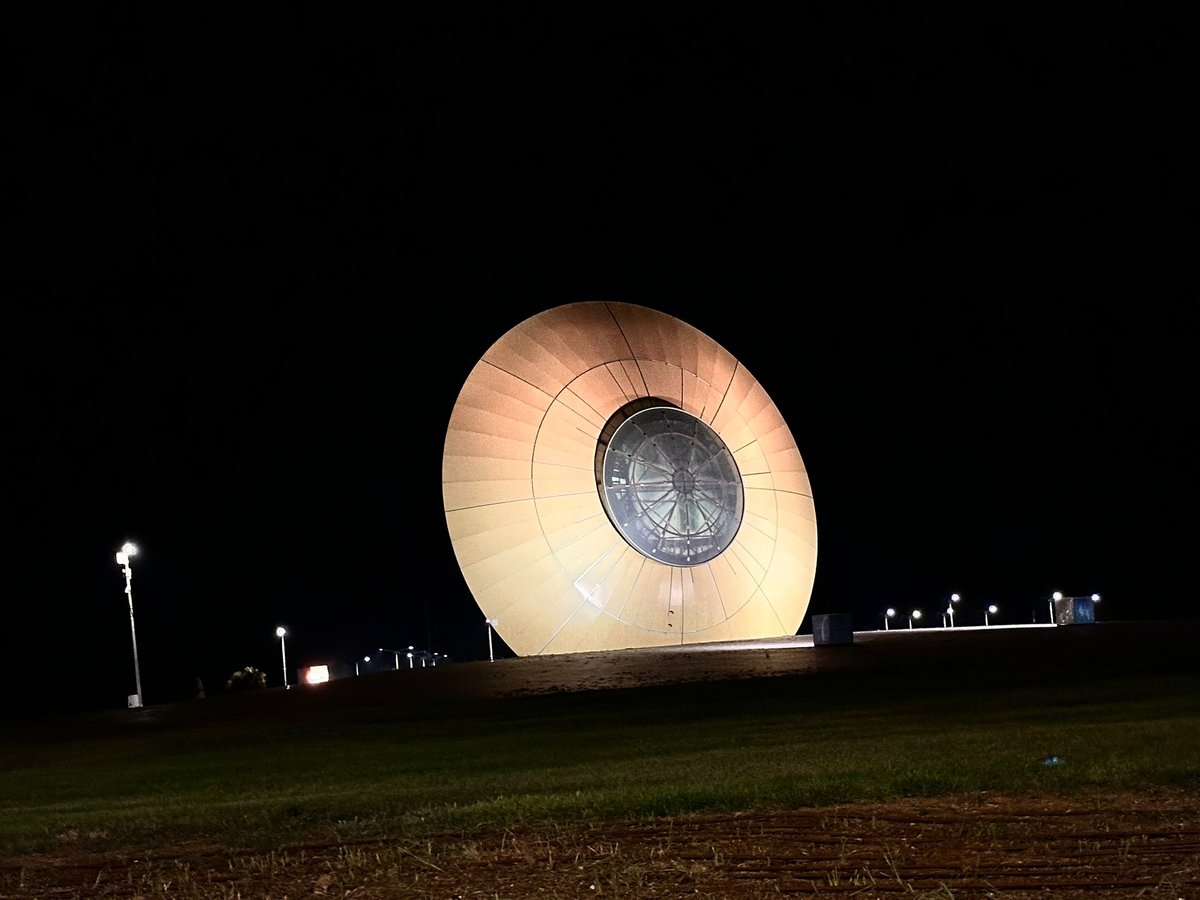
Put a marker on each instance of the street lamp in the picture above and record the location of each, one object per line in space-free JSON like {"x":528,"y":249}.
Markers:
{"x":491,"y":623}
{"x":887,"y":617}
{"x":992,"y":610}
{"x":410,"y":656}
{"x":123,"y":555}
{"x":915,"y":614}
{"x":954,"y":598}
{"x":395,"y":655}
{"x":1057,"y":595}
{"x":281,"y":633}
{"x":365,"y":659}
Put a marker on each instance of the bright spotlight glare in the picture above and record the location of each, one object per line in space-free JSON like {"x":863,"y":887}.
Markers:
{"x":129,"y":549}
{"x":280,"y":631}
{"x":316,"y":674}
{"x":1058,"y":595}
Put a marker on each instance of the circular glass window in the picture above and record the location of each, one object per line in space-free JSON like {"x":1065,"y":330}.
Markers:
{"x":671,"y":486}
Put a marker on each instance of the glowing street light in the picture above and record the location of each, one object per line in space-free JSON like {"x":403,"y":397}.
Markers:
{"x":395,"y":655}
{"x":365,"y":659}
{"x":410,"y":656}
{"x":491,"y":623}
{"x":915,"y":614}
{"x":1057,"y":595}
{"x":123,"y":556}
{"x":887,"y":617}
{"x":954,"y":598}
{"x":281,"y":633}
{"x":990,"y":610}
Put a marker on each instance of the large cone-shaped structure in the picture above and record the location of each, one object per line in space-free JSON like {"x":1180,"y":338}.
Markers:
{"x":614,"y":478}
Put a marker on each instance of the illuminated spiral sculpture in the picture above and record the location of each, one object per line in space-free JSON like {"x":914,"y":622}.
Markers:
{"x":614,"y":478}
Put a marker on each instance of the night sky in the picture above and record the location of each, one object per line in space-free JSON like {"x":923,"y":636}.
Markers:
{"x":260,"y":250}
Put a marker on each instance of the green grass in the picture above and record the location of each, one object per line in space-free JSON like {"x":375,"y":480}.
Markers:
{"x":106,"y":781}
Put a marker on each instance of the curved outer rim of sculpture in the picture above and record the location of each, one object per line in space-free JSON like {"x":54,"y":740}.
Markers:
{"x":545,"y":564}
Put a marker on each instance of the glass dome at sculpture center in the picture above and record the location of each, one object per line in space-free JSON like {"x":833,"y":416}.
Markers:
{"x":671,"y":487}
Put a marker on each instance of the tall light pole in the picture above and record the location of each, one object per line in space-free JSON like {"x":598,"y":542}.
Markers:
{"x":123,"y":555}
{"x":490,"y":625}
{"x":395,"y":655}
{"x":1057,"y":595}
{"x":365,"y":659}
{"x":954,"y":598}
{"x":992,"y":610}
{"x":887,"y":618}
{"x":281,"y":633}
{"x":915,"y":614}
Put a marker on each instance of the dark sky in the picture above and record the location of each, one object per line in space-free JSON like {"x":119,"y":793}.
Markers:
{"x":260,"y":250}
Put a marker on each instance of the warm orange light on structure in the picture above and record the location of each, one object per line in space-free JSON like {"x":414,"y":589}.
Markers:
{"x":315,"y":675}
{"x":526,"y":469}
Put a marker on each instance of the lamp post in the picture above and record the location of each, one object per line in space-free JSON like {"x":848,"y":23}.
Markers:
{"x":410,"y":656}
{"x":365,"y":659}
{"x":1057,"y":595}
{"x":490,"y":625}
{"x":887,"y":617}
{"x":915,"y":614}
{"x":395,"y":655}
{"x":954,"y":598}
{"x":992,"y":610}
{"x":281,"y":633}
{"x":123,"y":555}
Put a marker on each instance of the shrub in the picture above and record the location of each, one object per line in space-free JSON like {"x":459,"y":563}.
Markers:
{"x":247,"y":679}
